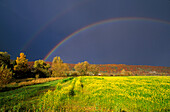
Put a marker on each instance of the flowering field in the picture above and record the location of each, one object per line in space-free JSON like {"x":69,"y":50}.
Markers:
{"x":140,"y":93}
{"x":92,"y":93}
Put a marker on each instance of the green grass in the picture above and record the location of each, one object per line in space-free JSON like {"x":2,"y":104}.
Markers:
{"x":18,"y":83}
{"x":92,"y":93}
{"x":24,"y":98}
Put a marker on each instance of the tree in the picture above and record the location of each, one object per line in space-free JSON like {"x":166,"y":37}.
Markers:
{"x":5,"y":75}
{"x":21,"y":68}
{"x":4,"y":59}
{"x":123,"y":72}
{"x":41,"y":68}
{"x":82,"y":67}
{"x":58,"y":67}
{"x":41,"y":64}
{"x":94,"y":69}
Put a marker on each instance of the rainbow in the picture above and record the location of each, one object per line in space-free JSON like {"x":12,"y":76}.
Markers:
{"x":103,"y":22}
{"x":45,"y":25}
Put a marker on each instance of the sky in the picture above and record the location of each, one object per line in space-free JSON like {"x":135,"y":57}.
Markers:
{"x":138,"y":33}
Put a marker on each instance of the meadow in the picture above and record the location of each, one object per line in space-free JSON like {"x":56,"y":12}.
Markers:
{"x":25,"y":97}
{"x":92,"y":93}
{"x":18,"y":83}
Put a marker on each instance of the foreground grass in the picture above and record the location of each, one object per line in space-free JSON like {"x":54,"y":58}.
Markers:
{"x":15,"y":84}
{"x":92,"y":93}
{"x":24,"y":98}
{"x":109,"y":94}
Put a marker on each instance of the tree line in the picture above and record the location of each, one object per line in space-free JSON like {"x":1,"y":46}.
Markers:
{"x":19,"y":68}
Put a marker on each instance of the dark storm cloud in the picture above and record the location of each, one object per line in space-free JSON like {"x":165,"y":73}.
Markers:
{"x":20,"y":20}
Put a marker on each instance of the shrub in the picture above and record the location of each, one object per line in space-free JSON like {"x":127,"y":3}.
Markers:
{"x":43,"y":73}
{"x":5,"y":75}
{"x":74,"y":73}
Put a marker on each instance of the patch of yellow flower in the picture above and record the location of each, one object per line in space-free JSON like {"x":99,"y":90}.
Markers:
{"x":130,"y":93}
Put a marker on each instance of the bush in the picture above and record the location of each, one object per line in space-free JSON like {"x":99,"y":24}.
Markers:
{"x":4,"y":59}
{"x":74,"y":73}
{"x":43,"y":73}
{"x":21,"y":74}
{"x":5,"y":75}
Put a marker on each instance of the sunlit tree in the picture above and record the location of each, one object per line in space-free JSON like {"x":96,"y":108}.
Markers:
{"x":94,"y":69}
{"x":59,"y":68}
{"x":41,"y":68}
{"x":21,"y":67}
{"x":123,"y":72}
{"x":41,"y":64}
{"x":82,"y":67}
{"x":5,"y":75}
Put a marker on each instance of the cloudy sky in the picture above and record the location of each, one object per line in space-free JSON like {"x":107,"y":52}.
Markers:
{"x":139,"y":33}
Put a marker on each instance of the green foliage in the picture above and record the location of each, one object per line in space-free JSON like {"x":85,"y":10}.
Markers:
{"x":41,"y":64}
{"x":41,"y":68}
{"x":59,"y":68}
{"x":5,"y":75}
{"x":82,"y":68}
{"x":4,"y":59}
{"x":21,"y":68}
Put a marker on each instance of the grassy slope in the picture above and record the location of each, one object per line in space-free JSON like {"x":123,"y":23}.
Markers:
{"x":109,"y":94}
{"x":93,"y":94}
{"x":24,"y":97}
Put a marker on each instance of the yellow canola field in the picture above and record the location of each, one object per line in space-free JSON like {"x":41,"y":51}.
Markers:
{"x":92,"y":93}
